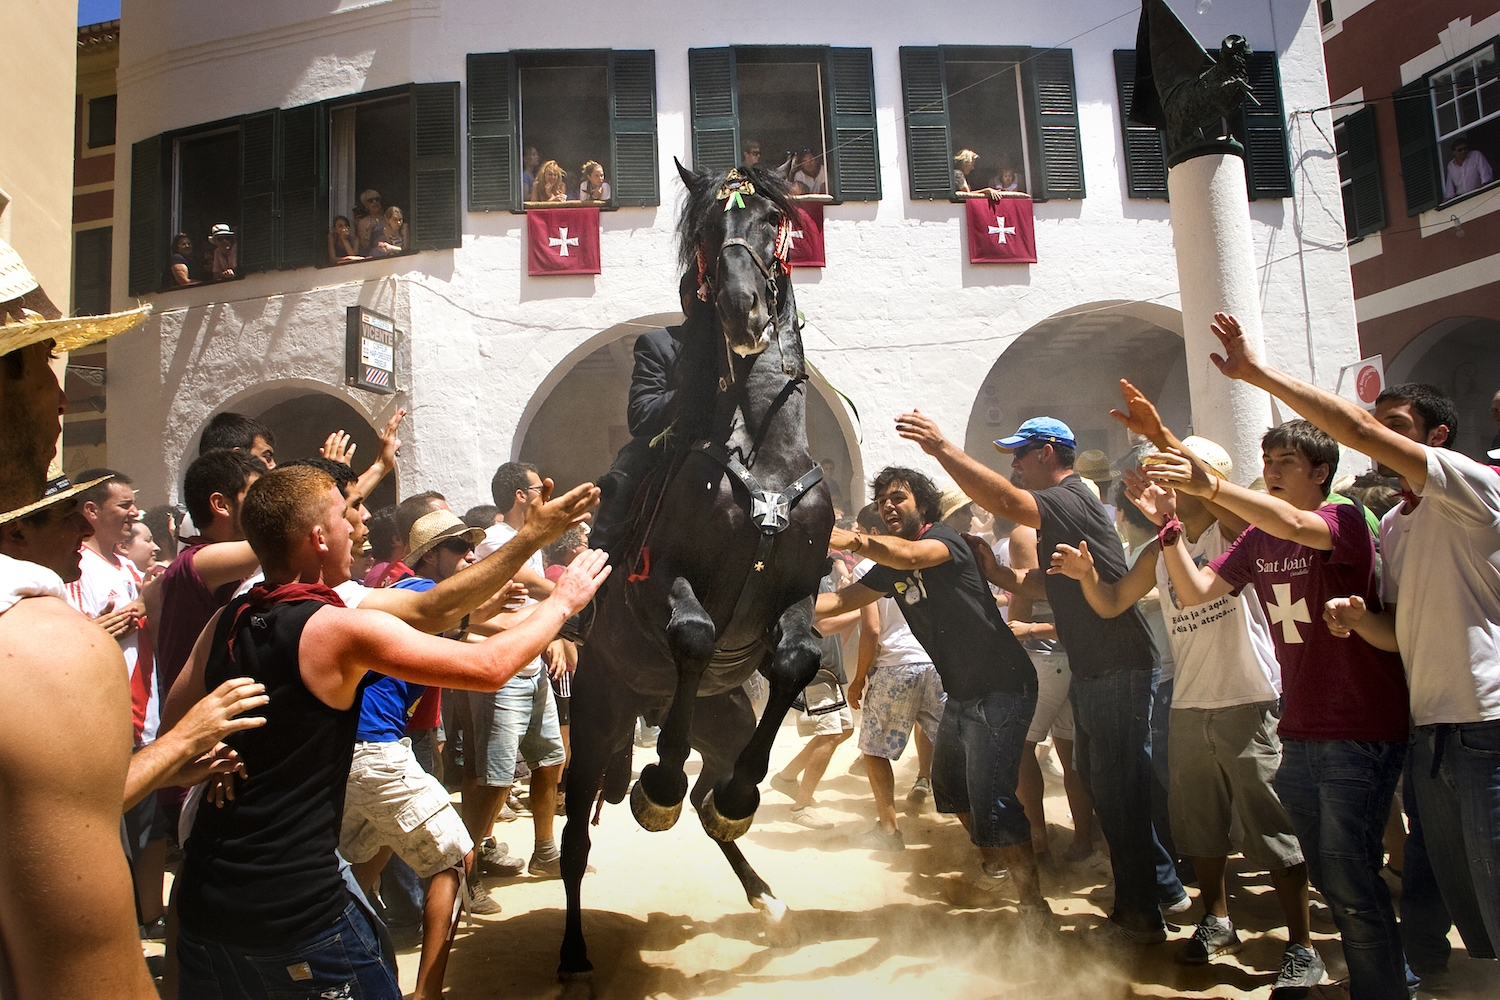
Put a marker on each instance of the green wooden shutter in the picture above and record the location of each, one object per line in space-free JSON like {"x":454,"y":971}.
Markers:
{"x":1364,"y":198}
{"x":91,"y":271}
{"x":854,"y":155}
{"x":716,"y":117}
{"x":436,"y":215}
{"x":1417,"y":139}
{"x":148,"y":220}
{"x":494,"y":160}
{"x":1052,"y":125}
{"x":929,"y":150}
{"x":257,"y":235}
{"x":301,"y":187}
{"x":1262,"y":130}
{"x":632,"y":128}
{"x":1145,"y":146}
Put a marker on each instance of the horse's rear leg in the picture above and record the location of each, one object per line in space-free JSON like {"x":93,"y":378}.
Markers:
{"x":601,"y":711}
{"x":656,"y":799}
{"x":793,"y":666}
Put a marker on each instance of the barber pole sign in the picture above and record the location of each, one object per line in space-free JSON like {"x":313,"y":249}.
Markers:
{"x":370,"y":351}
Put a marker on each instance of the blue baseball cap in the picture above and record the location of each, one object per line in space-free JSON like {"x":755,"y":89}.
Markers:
{"x":1038,"y":430}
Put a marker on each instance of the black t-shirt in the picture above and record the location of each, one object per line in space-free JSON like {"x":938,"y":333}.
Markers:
{"x":1095,"y":646}
{"x":952,"y":614}
{"x":194,"y":272}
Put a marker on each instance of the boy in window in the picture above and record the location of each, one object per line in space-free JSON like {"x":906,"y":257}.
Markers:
{"x":1467,"y":171}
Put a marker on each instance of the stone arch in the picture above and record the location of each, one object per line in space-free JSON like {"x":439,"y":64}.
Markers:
{"x":574,"y":424}
{"x":1458,"y":356}
{"x":1068,"y":367}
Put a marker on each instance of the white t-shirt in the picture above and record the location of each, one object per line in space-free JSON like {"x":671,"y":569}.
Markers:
{"x":1157,"y":623}
{"x":20,"y":579}
{"x":351,"y":592}
{"x":1444,"y":557}
{"x":105,"y":584}
{"x":896,"y":646}
{"x":495,"y":536}
{"x":1223,"y":649}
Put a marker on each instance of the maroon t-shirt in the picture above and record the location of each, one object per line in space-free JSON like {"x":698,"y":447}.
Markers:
{"x":1334,"y":689}
{"x":186,"y":606}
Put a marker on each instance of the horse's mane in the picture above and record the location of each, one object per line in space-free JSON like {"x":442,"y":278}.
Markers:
{"x":695,"y":222}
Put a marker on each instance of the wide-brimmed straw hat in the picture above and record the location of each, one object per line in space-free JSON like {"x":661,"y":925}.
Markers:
{"x":434,"y":528}
{"x":951,"y":502}
{"x":1093,"y":464}
{"x":1212,"y":453}
{"x":69,"y":333}
{"x":55,"y":492}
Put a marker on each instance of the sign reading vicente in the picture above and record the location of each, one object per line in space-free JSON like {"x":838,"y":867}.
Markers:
{"x":370,"y":351}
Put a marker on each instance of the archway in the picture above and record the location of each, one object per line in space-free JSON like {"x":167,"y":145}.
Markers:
{"x":1068,"y":366}
{"x":1458,"y":355}
{"x":302,"y":420}
{"x":575,"y":424}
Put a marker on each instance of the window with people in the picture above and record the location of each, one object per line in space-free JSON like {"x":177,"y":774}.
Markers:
{"x":565,"y":130}
{"x":1466,"y":113}
{"x":781,"y":120}
{"x":987,"y":128}
{"x":369,"y":179}
{"x":206,"y":209}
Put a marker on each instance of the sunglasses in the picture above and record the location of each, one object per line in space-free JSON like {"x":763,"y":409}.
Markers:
{"x":457,"y":546}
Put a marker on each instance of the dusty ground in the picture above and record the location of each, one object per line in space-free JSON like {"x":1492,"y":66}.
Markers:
{"x":665,"y":918}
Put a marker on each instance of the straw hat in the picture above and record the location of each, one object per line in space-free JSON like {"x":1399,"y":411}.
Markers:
{"x":1093,"y":464}
{"x":1213,"y":455}
{"x":55,"y":492}
{"x":69,"y":333}
{"x":435,"y":527}
{"x":951,"y":502}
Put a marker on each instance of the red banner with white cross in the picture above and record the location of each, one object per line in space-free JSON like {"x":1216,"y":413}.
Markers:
{"x":807,"y":235}
{"x":563,"y":240}
{"x":1000,"y":232}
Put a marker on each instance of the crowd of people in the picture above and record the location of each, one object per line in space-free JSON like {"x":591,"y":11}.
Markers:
{"x":284,"y":690}
{"x":217,"y":261}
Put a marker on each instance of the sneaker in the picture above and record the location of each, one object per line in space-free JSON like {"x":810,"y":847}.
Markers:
{"x":876,"y":839}
{"x":786,"y":786}
{"x":1049,"y":765}
{"x":496,"y":859}
{"x":920,"y":792}
{"x":1097,"y":863}
{"x":987,"y":880}
{"x":1212,"y":938}
{"x":1301,"y":970}
{"x":1180,"y":905}
{"x":519,"y":807}
{"x":1115,"y":935}
{"x":478,"y":899}
{"x":813,"y":821}
{"x":552,"y":867}
{"x":156,"y":930}
{"x":507,"y":814}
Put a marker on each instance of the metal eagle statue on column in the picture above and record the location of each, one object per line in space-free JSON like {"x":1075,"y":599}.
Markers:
{"x":1179,"y":87}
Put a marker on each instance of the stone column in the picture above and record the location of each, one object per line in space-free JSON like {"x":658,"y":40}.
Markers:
{"x":1216,"y":272}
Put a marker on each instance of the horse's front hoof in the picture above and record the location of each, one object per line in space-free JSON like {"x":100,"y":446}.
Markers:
{"x":576,"y":985}
{"x":648,"y":814}
{"x":781,"y":929}
{"x":719,"y":826}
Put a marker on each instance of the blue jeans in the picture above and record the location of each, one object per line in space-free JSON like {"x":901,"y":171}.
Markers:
{"x":1455,"y":780}
{"x":1338,"y":793}
{"x":1424,"y":917}
{"x":1112,"y":754}
{"x":976,"y":762}
{"x":344,"y":961}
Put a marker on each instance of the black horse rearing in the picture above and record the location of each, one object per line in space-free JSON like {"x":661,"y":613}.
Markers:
{"x":735,"y":543}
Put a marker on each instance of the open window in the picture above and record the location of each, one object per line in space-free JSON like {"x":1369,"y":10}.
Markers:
{"x":577,"y":108}
{"x":1015,"y":107}
{"x":1448,"y":129}
{"x":1359,"y":173}
{"x":808,"y":111}
{"x":280,"y":178}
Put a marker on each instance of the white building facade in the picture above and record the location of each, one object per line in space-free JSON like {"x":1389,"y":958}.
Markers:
{"x":273,"y":119}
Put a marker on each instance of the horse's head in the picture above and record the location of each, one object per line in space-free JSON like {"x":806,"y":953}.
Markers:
{"x":734,"y":234}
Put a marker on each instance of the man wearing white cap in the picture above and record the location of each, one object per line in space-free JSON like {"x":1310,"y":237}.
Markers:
{"x":1224,"y":751}
{"x":222,"y":237}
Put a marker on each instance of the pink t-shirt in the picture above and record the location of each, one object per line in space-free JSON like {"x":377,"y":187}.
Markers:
{"x":1334,"y":689}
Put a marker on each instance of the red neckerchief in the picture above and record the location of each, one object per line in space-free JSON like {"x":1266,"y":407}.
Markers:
{"x":262,"y":597}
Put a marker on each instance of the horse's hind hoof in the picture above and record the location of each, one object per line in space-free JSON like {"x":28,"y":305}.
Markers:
{"x":719,"y":826}
{"x":781,"y":929}
{"x":648,"y":814}
{"x":576,"y":985}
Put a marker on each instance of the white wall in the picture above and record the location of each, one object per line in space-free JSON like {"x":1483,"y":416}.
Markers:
{"x":900,"y":318}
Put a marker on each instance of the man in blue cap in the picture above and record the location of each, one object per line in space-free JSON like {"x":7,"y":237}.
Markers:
{"x":1112,"y":659}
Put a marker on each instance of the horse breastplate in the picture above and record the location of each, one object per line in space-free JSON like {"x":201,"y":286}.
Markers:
{"x":770,"y":511}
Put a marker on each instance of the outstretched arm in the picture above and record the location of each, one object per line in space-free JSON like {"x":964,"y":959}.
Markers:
{"x":1272,"y":515}
{"x":385,"y":462}
{"x":891,"y":550}
{"x":855,"y":595}
{"x":1346,"y":423}
{"x":1194,"y":584}
{"x":984,"y":485}
{"x":1109,"y":600}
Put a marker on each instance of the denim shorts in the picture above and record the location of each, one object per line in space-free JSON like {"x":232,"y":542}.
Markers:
{"x":344,"y":961}
{"x":520,"y":718}
{"x":976,"y":763}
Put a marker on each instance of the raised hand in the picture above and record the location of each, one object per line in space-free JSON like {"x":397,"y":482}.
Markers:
{"x":1140,"y":415}
{"x":917,"y":427}
{"x":1075,"y":564}
{"x":1155,"y":501}
{"x":579,"y":582}
{"x":1172,"y":468}
{"x":338,"y":448}
{"x":390,"y":444}
{"x":1343,"y":613}
{"x":548,"y":518}
{"x":1239,"y":360}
